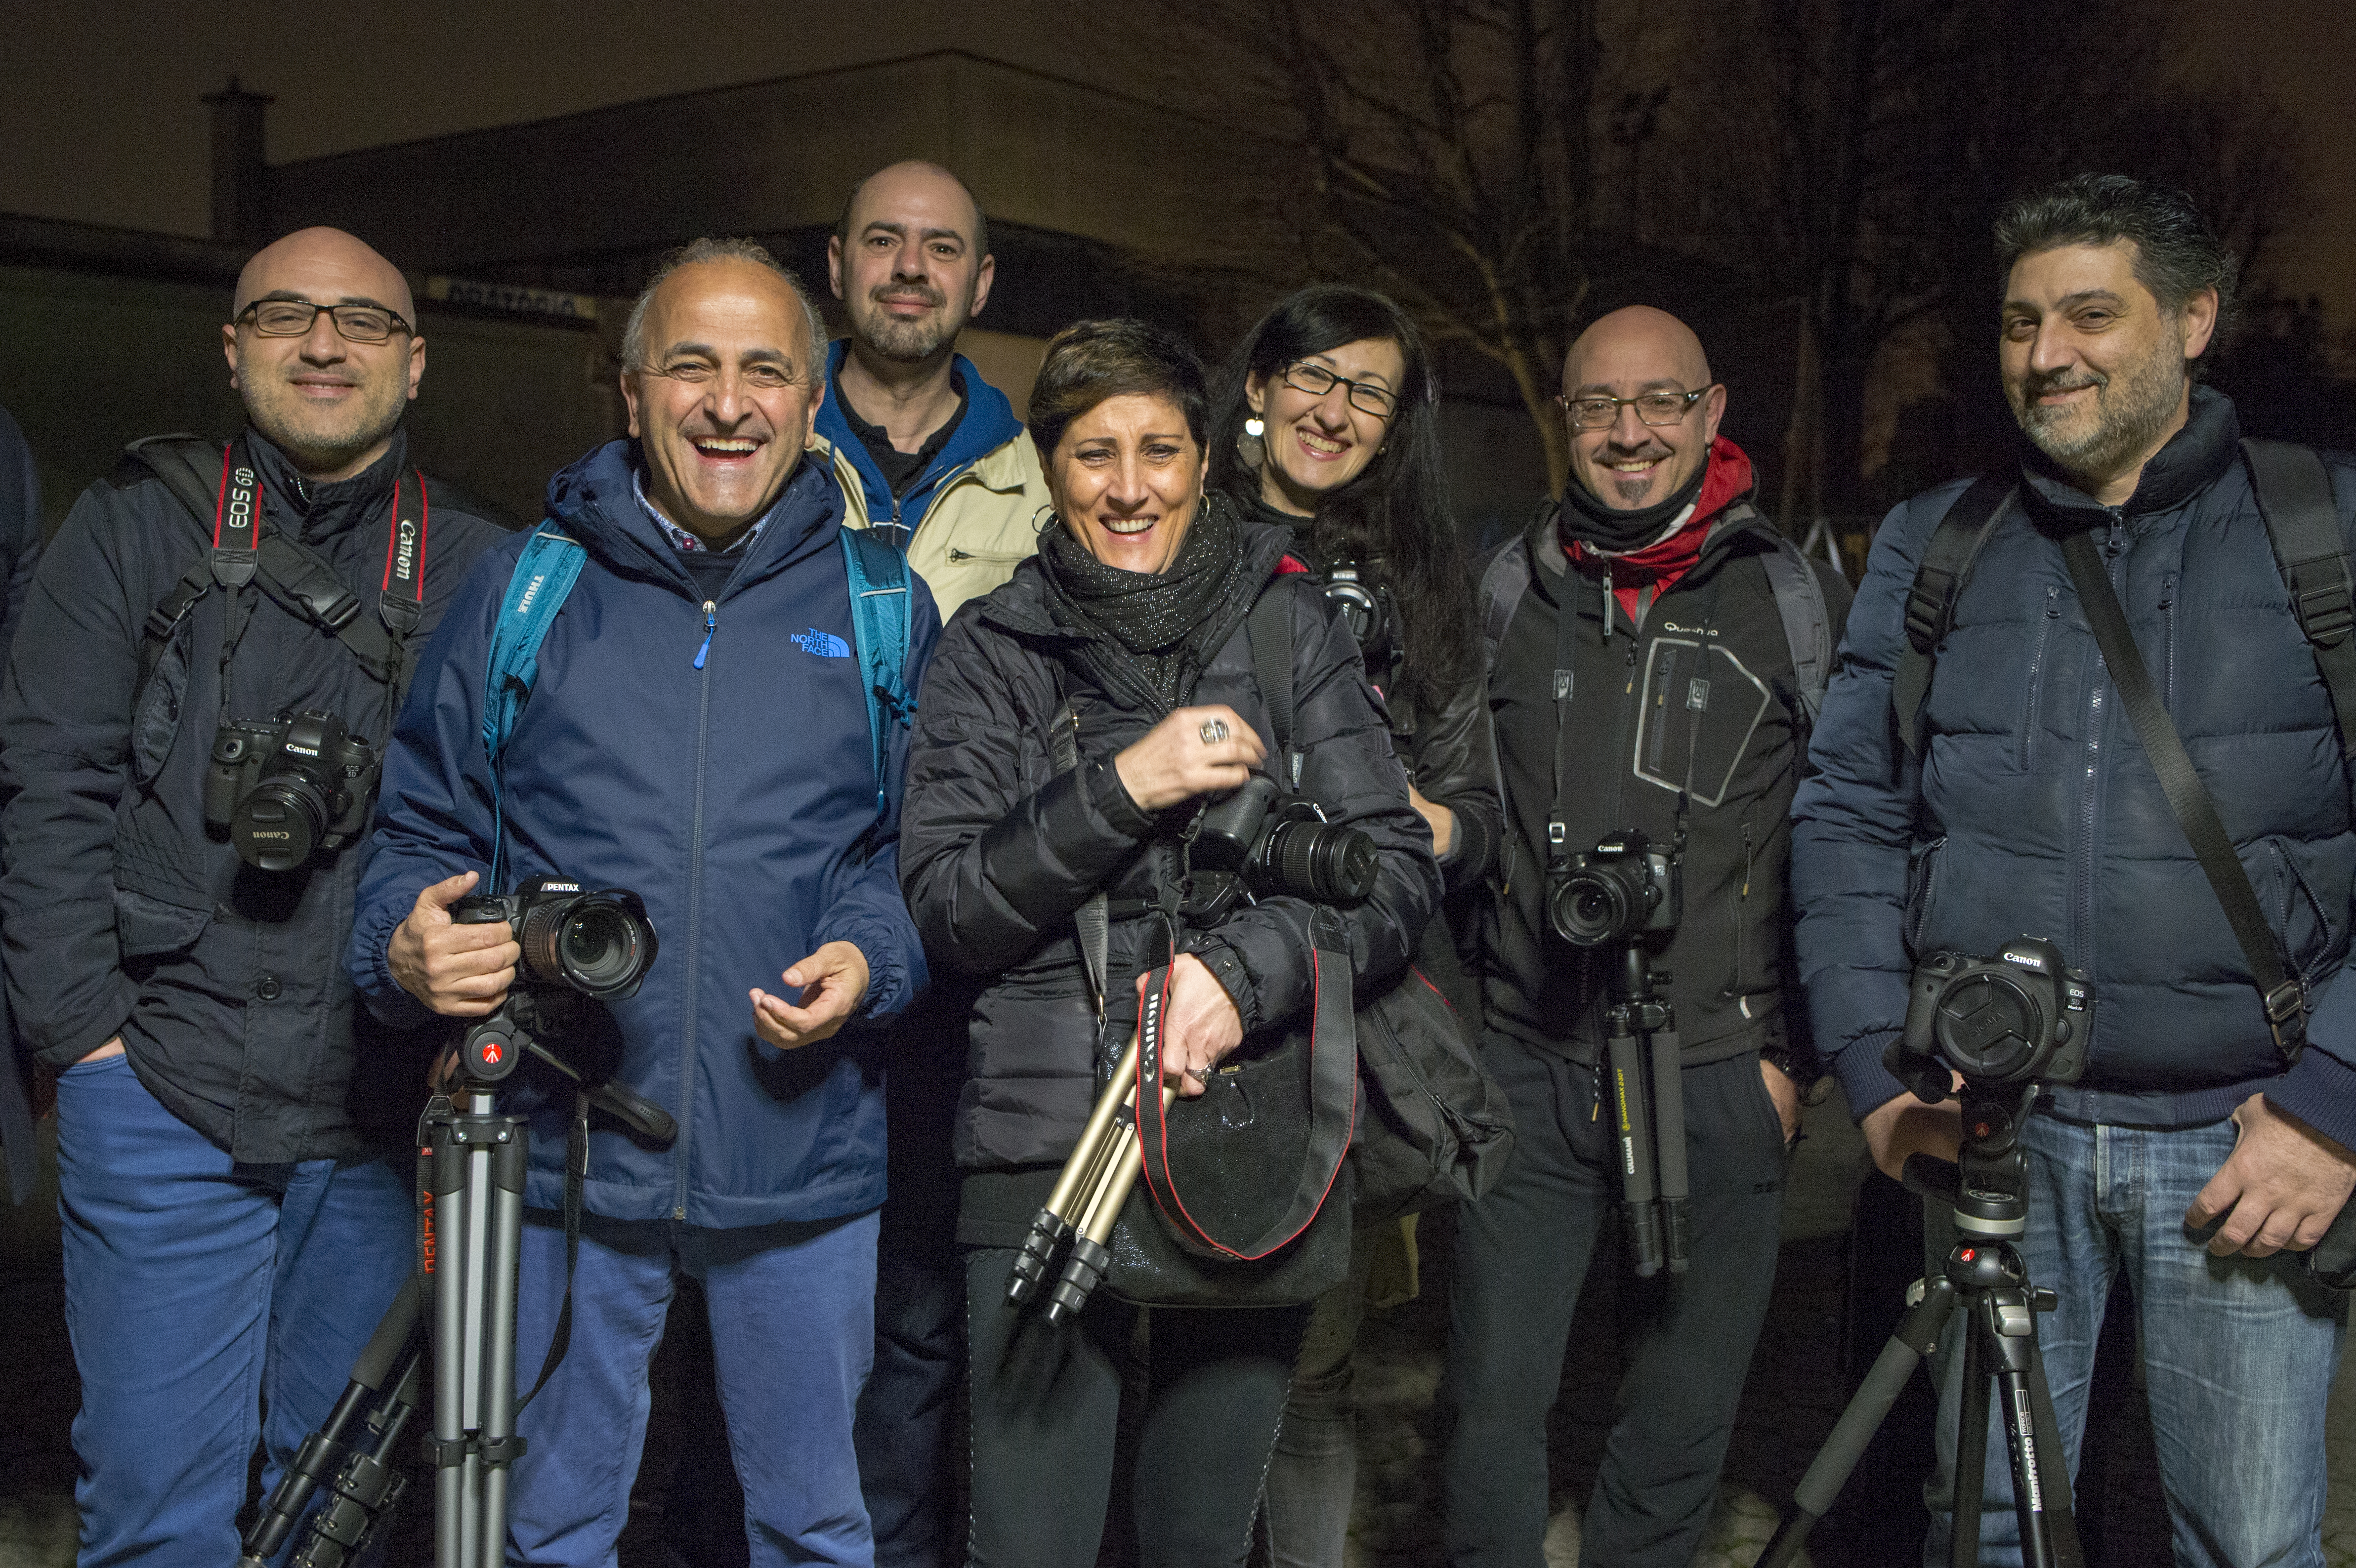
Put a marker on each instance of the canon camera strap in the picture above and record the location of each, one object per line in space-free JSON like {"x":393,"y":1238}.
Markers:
{"x":293,"y":576}
{"x":2284,"y":996}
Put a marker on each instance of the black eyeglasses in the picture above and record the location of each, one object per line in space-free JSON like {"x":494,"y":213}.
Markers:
{"x":1653,"y":408}
{"x":1364,"y":395}
{"x":293,"y":319}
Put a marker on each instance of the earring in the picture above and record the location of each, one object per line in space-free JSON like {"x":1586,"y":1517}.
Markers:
{"x":1249,"y":447}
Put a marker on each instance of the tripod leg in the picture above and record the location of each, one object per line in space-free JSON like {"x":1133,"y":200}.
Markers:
{"x":371,"y":1484}
{"x":324,"y":1450}
{"x":1970,"y":1482}
{"x":1669,"y":1144}
{"x":1633,"y":1113}
{"x":502,"y":1255}
{"x":441,"y":1188}
{"x":1916,"y":1334}
{"x":2049,"y":1530}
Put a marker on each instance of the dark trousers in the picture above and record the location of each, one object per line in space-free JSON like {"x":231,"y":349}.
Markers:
{"x":1046,"y":1410}
{"x":902,"y":1430}
{"x":1521,"y":1253}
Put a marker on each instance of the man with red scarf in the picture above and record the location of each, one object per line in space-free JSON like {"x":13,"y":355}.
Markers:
{"x":1642,"y":679}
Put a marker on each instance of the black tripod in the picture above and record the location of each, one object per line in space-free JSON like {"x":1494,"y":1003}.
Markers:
{"x":1649,"y":1112}
{"x":1983,"y":1275}
{"x":471,"y":1162}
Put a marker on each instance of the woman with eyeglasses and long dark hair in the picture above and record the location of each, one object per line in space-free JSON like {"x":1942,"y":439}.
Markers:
{"x":1327,"y":422}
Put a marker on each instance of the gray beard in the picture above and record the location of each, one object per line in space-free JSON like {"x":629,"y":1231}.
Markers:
{"x":905,"y":342}
{"x":2130,"y":411}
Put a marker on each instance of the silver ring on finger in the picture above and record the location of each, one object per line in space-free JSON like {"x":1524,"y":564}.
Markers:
{"x":1213,"y":731}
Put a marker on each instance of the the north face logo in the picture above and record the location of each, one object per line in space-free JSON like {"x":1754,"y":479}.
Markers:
{"x":825,"y":644}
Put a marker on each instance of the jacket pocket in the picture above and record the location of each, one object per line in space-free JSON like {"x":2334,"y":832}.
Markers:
{"x":2301,"y":922}
{"x":1922,"y":884}
{"x":157,"y":722}
{"x":2040,"y":652}
{"x":147,"y":927}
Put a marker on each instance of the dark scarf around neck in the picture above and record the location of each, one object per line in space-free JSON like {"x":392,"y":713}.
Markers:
{"x":1598,"y":527}
{"x":1145,"y":624}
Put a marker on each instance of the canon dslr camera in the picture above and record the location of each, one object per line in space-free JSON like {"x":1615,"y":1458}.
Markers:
{"x":1623,"y":889}
{"x":285,"y":789}
{"x":2019,"y":1017}
{"x":1252,"y":841}
{"x":600,"y":944}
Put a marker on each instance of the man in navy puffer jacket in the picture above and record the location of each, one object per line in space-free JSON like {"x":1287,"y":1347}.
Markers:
{"x":698,"y":734}
{"x":2033,"y":810}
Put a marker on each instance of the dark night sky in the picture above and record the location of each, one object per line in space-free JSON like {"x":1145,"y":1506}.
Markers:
{"x":99,"y":110}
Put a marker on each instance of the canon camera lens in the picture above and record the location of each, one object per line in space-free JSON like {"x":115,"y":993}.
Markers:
{"x":1318,"y":860}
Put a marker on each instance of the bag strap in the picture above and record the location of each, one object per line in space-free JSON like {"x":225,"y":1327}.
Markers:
{"x":2284,"y":996}
{"x":1269,"y":628}
{"x":1094,"y":917}
{"x":2293,"y":495}
{"x":881,"y":613}
{"x":544,"y":577}
{"x":1333,"y":1107}
{"x":1502,"y":587}
{"x":1807,"y":623}
{"x":1938,"y":583}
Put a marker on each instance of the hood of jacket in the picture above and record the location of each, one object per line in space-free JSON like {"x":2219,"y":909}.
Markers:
{"x":989,"y":424}
{"x":596,"y":500}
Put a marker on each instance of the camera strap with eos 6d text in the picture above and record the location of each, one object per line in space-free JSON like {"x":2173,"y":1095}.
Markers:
{"x":293,"y":575}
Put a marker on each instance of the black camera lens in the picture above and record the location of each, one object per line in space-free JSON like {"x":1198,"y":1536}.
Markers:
{"x":1317,"y":860}
{"x":277,"y":826}
{"x":1597,"y":904}
{"x":600,"y":944}
{"x":1990,"y":1028}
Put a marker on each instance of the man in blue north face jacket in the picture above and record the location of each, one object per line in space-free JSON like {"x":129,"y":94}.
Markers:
{"x":2190,"y":1157}
{"x":700,"y":735}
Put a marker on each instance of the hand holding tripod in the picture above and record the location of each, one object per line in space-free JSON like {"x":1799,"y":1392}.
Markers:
{"x":461,"y":1303}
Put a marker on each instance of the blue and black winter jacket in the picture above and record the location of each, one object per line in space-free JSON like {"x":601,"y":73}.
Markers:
{"x":713,"y":758}
{"x":2033,"y":810}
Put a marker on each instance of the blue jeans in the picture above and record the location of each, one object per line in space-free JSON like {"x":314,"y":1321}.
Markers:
{"x":199,"y":1290}
{"x":793,"y":1332}
{"x":2238,"y":1353}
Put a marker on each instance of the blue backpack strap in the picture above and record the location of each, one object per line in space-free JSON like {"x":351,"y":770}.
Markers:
{"x":543,"y":576}
{"x":882,"y":609}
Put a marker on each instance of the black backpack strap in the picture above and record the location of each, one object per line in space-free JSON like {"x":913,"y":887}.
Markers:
{"x":1093,"y":919}
{"x":1270,"y":629}
{"x":1502,"y":587}
{"x":2294,"y":492}
{"x":2284,"y":996}
{"x":1807,"y":623}
{"x":1938,"y":583}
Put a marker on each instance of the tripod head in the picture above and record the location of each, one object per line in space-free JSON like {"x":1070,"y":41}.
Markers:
{"x":1989,"y":1185}
{"x":492,"y":1049}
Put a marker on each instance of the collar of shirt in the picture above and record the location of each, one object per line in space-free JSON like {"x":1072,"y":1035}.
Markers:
{"x":681,"y":541}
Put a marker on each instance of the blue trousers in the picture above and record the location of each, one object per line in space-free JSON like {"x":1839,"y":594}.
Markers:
{"x":793,"y":1332}
{"x":199,"y":1290}
{"x":2238,"y":1354}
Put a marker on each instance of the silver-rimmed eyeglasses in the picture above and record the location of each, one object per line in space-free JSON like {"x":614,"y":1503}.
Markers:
{"x":1595,"y":411}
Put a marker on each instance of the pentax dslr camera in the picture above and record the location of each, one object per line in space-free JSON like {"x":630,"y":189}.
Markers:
{"x":1254,"y":841}
{"x":599,"y":944}
{"x":2019,"y":1017}
{"x":285,"y":789}
{"x":1623,"y":889}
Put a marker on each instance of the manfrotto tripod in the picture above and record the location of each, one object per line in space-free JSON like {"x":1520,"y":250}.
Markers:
{"x":1985,"y":1277}
{"x":1649,"y":1112}
{"x":462,"y":1303}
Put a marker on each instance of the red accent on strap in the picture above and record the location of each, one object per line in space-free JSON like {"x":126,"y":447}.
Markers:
{"x":392,"y":535}
{"x":424,"y":526}
{"x":1287,"y":565}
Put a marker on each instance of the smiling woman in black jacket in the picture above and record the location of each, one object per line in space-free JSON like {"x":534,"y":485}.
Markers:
{"x":1326,"y":424}
{"x":1133,"y":613}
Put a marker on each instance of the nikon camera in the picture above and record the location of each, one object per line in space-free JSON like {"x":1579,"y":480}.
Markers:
{"x":1625,"y":889}
{"x":600,"y":944}
{"x":287,"y":789}
{"x":2018,"y":1018}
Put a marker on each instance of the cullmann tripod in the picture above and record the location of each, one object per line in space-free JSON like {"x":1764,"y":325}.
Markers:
{"x":461,"y":1301}
{"x":1985,"y":1277}
{"x":1648,"y":1110}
